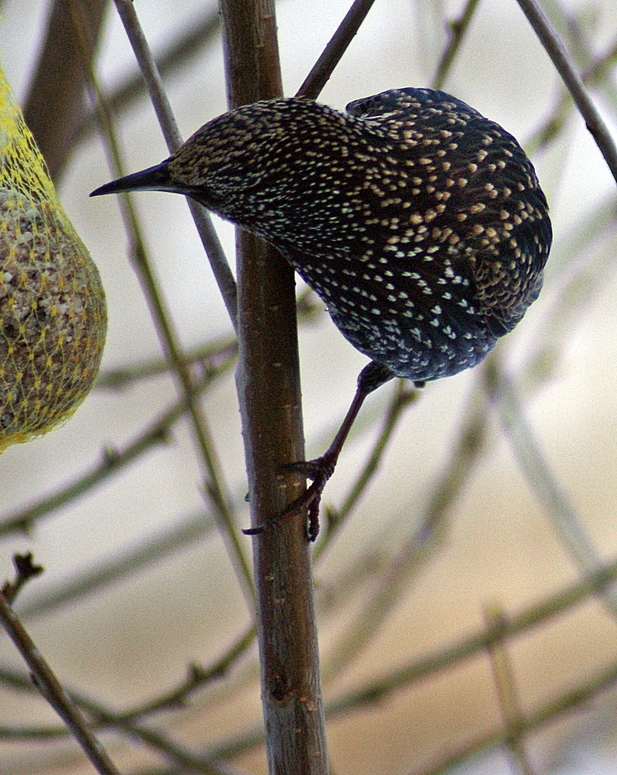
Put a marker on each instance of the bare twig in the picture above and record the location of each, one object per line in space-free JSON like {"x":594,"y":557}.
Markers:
{"x":548,"y":713}
{"x":419,"y":547}
{"x":207,"y":233}
{"x":448,"y":657}
{"x":458,"y":29}
{"x":56,"y":99}
{"x":201,"y":31}
{"x":573,"y":81}
{"x":213,"y":484}
{"x":103,"y":718}
{"x":210,"y":359}
{"x":333,"y":52}
{"x":122,"y":565}
{"x":197,"y":678}
{"x":564,"y":519}
{"x":112,"y":461}
{"x":53,"y":692}
{"x":400,"y":679}
{"x":594,"y":75}
{"x":509,"y":702}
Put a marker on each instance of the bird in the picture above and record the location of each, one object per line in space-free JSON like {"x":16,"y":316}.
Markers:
{"x":418,"y":221}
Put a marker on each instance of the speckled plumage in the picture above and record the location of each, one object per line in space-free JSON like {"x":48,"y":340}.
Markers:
{"x":419,"y":222}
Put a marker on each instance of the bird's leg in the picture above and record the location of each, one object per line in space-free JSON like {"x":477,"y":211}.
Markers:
{"x":321,"y":469}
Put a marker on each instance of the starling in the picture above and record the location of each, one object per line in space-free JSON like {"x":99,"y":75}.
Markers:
{"x":418,"y":221}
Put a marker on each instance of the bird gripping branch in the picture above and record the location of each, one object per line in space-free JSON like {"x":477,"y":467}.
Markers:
{"x":420,"y":223}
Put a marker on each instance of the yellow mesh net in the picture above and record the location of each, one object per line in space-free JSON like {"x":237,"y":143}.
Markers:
{"x":53,"y":317}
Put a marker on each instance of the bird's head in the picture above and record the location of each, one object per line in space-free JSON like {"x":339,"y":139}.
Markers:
{"x":235,"y":164}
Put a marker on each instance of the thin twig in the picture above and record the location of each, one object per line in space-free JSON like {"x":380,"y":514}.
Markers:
{"x":380,"y":689}
{"x":594,"y":75}
{"x":198,"y":677}
{"x":419,"y":547}
{"x":180,"y":755}
{"x":547,"y":713}
{"x":564,"y":519}
{"x":458,"y":29}
{"x":200,"y":32}
{"x":333,"y":52}
{"x":210,"y":358}
{"x":104,"y":719}
{"x":170,"y":342}
{"x":171,"y":133}
{"x":53,"y":692}
{"x":39,"y":734}
{"x":122,"y":565}
{"x":448,"y":657}
{"x":112,"y":461}
{"x":507,"y":693}
{"x":555,"y":49}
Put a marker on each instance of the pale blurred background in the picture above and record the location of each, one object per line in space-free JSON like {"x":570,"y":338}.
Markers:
{"x":496,"y":548}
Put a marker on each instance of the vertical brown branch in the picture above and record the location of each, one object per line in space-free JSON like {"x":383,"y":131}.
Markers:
{"x":269,"y":394}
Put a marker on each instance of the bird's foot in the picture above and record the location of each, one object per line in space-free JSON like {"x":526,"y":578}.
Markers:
{"x":318,"y":471}
{"x":321,"y":469}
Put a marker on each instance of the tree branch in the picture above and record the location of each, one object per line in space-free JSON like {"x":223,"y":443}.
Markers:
{"x":269,"y":394}
{"x":53,"y":692}
{"x":555,"y":49}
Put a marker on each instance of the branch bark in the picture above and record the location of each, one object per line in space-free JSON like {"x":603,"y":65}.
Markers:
{"x":269,"y":393}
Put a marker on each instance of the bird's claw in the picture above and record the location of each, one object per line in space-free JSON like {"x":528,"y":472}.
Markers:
{"x":321,"y":468}
{"x":319,"y":471}
{"x":309,"y":500}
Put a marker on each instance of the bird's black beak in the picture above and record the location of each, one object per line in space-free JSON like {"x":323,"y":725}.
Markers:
{"x":152,"y":179}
